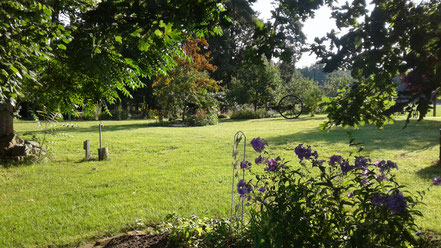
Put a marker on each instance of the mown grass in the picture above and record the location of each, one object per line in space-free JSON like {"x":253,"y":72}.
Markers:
{"x":154,"y":171}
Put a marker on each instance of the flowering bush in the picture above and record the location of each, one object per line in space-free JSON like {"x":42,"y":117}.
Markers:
{"x":336,"y":202}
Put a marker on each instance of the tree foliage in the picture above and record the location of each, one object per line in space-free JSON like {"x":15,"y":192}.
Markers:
{"x":188,"y":87}
{"x":397,"y":39}
{"x":256,"y":84}
{"x":26,"y":31}
{"x":98,"y":51}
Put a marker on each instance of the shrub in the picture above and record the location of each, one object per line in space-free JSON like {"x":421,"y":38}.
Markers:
{"x":196,"y":232}
{"x":202,"y":118}
{"x":222,"y":116}
{"x":327,"y":203}
{"x":250,"y":114}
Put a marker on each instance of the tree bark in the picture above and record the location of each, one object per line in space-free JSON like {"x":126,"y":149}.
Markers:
{"x":6,"y":119}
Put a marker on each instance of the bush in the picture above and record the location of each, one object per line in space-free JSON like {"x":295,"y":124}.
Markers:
{"x":196,"y":232}
{"x":250,"y":114}
{"x":327,"y":203}
{"x":202,"y":118}
{"x":222,"y":116}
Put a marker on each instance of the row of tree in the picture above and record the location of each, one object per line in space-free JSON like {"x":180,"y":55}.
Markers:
{"x":73,"y":54}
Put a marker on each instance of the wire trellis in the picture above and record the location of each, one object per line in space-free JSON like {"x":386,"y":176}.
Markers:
{"x":238,"y":207}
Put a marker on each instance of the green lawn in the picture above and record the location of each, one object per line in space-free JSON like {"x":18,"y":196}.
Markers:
{"x":154,"y":171}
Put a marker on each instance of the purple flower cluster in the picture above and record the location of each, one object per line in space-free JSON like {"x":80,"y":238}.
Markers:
{"x":245,"y":164}
{"x":305,"y":152}
{"x":274,"y":164}
{"x":395,"y":202}
{"x":335,"y":159}
{"x":362,"y":162}
{"x":259,"y":144}
{"x":385,"y":165}
{"x":436,"y":181}
{"x":259,"y":159}
{"x":346,"y":167}
{"x":244,"y":188}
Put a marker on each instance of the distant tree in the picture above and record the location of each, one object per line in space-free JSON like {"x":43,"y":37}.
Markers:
{"x":307,"y":89}
{"x":336,"y":81}
{"x":314,"y":72}
{"x":398,"y":38}
{"x":188,"y":87}
{"x":256,"y":84}
{"x":228,"y":50}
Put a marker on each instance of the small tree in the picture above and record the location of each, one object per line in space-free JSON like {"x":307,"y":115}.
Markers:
{"x":188,"y":87}
{"x":308,"y":90}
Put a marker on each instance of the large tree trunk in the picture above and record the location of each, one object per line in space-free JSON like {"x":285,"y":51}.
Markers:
{"x":6,"y":120}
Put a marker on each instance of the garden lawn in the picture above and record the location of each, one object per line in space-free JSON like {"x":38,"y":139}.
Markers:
{"x":154,"y":171}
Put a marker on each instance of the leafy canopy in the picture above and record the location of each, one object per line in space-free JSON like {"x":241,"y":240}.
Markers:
{"x":398,"y":42}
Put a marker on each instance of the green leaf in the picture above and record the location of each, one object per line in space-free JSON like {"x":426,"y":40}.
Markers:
{"x":65,"y":40}
{"x":118,"y":39}
{"x":61,"y":46}
{"x":15,"y":70}
{"x":158,"y":33}
{"x":47,"y":11}
{"x":4,"y":72}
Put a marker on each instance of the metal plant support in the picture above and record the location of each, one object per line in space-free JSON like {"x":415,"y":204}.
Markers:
{"x":238,"y":137}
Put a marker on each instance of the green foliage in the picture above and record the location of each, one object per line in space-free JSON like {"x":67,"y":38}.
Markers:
{"x":100,"y":51}
{"x":376,"y":52}
{"x":187,"y":88}
{"x":25,"y":32}
{"x":117,"y":113}
{"x":203,"y":118}
{"x":307,"y":89}
{"x":335,"y":203}
{"x":245,"y":114}
{"x":256,"y":84}
{"x":312,"y":100}
{"x":196,"y":232}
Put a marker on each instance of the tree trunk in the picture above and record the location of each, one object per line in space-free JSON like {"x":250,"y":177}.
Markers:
{"x":6,"y":120}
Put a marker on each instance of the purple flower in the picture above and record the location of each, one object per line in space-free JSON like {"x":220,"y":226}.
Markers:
{"x":259,"y":159}
{"x":272,"y":165}
{"x":262,"y":189}
{"x":315,"y":154}
{"x":379,"y":200}
{"x":259,"y":144}
{"x":362,"y":162}
{"x":305,"y":152}
{"x":437,"y":181}
{"x":245,"y":164}
{"x":335,"y":159}
{"x":243,"y":188}
{"x":350,"y":194}
{"x":396,"y":203}
{"x":385,"y":165}
{"x":345,"y":167}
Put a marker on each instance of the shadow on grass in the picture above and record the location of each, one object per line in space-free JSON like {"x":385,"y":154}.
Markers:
{"x":430,"y":172}
{"x":417,"y":136}
{"x":109,"y":126}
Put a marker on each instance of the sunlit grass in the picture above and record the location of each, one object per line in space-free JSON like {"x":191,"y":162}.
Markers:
{"x":154,"y":171}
